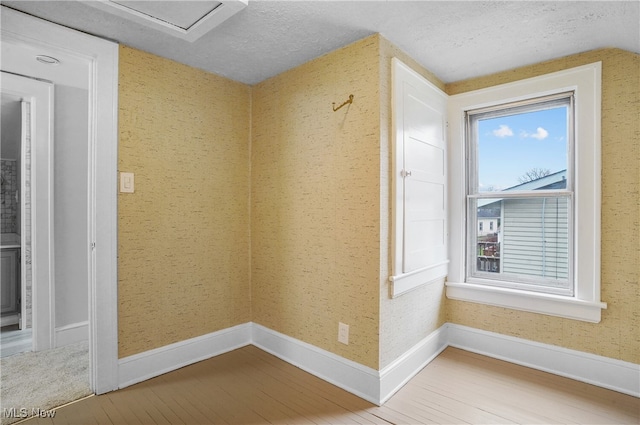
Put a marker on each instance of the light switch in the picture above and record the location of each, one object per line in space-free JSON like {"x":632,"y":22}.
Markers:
{"x":126,"y":182}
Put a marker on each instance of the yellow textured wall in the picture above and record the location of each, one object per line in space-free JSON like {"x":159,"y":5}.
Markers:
{"x":408,"y":319}
{"x":183,"y":236}
{"x":312,"y":189}
{"x":315,"y":202}
{"x":618,"y":334}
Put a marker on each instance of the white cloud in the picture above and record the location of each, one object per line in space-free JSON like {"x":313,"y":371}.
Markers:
{"x":503,"y":131}
{"x":540,"y":134}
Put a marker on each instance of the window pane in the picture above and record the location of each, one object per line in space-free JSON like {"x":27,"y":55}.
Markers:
{"x":487,"y":239}
{"x":531,"y":241}
{"x":517,"y":147}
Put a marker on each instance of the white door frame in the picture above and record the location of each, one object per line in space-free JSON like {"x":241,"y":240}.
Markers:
{"x":39,"y":96}
{"x":102,"y":57}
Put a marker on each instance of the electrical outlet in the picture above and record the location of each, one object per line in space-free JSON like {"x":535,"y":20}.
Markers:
{"x":343,"y":333}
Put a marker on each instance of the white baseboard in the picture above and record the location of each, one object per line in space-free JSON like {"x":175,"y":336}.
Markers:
{"x":360,"y":380}
{"x":378,"y":386}
{"x":152,"y":363}
{"x":346,"y":374}
{"x":400,"y":371}
{"x":71,"y":334}
{"x":605,"y":372}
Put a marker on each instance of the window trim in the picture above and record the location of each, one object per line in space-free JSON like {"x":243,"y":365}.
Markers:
{"x":585,"y":304}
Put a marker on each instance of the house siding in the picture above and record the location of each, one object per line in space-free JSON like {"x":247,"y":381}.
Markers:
{"x":535,"y":237}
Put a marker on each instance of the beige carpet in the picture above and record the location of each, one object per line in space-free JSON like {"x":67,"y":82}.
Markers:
{"x":43,"y":380}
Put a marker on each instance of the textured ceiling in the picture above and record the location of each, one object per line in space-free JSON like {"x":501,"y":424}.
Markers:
{"x":455,"y":40}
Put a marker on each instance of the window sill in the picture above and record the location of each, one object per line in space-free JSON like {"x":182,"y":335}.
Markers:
{"x":403,"y":283}
{"x":553,"y":305}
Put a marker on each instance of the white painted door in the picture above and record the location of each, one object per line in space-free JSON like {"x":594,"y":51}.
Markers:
{"x":424,"y":184}
{"x":420,"y":177}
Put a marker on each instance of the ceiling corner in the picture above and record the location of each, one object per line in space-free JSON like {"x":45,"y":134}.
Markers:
{"x":188,"y":20}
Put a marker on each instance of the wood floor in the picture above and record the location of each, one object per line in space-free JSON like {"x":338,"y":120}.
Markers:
{"x":249,"y":386}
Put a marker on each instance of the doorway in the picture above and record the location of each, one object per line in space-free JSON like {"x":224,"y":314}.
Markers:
{"x":15,"y":321}
{"x":27,"y":208}
{"x":24,"y":38}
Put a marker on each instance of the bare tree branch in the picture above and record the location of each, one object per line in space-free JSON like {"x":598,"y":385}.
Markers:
{"x":534,"y":174}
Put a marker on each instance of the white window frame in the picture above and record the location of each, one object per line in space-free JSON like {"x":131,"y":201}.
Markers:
{"x":528,"y":283}
{"x":585,"y":303}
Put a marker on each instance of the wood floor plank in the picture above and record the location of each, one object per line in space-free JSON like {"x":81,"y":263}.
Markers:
{"x":295,"y":394}
{"x":390,"y":415}
{"x":462,"y":387}
{"x":266,"y":386}
{"x":158,"y":409}
{"x":200,"y":397}
{"x":539,"y":393}
{"x":220,"y":398}
{"x":250,"y":386}
{"x":324,"y":396}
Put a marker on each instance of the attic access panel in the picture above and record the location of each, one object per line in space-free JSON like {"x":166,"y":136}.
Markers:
{"x":188,"y":20}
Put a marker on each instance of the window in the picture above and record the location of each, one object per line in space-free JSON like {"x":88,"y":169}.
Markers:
{"x":518,"y":168}
{"x":537,"y":192}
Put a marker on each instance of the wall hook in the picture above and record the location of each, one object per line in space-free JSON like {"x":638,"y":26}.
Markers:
{"x":350,"y":100}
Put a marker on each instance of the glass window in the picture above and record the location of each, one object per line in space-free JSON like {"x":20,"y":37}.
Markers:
{"x":544,"y":253}
{"x":520,"y":174}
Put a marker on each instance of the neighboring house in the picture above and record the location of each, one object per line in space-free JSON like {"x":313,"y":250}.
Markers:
{"x":488,"y":233}
{"x":533,"y":234}
{"x":488,"y":221}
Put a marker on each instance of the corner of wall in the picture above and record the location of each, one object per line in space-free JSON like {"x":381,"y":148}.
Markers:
{"x":405,"y":320}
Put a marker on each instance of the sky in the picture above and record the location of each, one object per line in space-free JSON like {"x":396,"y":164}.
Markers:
{"x":509,"y":146}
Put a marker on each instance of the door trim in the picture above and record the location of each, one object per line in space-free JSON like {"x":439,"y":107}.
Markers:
{"x":102,"y":57}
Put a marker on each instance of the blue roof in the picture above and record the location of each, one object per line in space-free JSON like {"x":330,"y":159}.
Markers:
{"x":557,"y":180}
